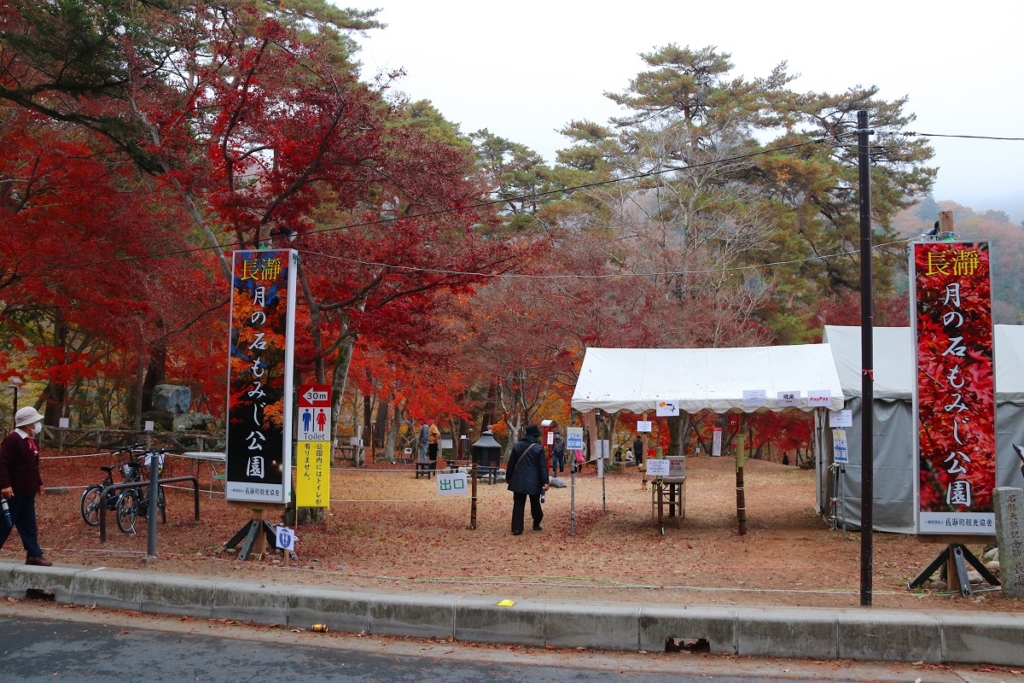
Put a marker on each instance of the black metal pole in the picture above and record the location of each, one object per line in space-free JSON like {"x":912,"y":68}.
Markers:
{"x":867,"y":325}
{"x":154,"y":488}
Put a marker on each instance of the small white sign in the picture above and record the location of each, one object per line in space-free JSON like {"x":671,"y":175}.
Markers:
{"x":574,"y":438}
{"x":407,"y":451}
{"x":840,"y":453}
{"x":643,"y":426}
{"x":314,"y":424}
{"x":755,"y":398}
{"x":452,"y":484}
{"x":657,"y":468}
{"x":149,"y":426}
{"x":789,"y":398}
{"x":840,"y":418}
{"x":65,"y":423}
{"x":822,"y":398}
{"x":285,"y":538}
{"x":667,"y":409}
{"x":716,"y":443}
{"x":551,"y":438}
{"x":447,"y":444}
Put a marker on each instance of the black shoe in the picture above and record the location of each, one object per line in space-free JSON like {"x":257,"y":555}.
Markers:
{"x":517,"y":533}
{"x":538,"y":527}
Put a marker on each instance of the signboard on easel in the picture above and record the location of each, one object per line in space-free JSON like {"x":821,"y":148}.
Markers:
{"x":261,"y":350}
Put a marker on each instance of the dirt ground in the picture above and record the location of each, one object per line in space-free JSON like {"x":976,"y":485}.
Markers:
{"x":391,"y":532}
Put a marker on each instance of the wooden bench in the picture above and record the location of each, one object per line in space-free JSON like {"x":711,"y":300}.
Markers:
{"x":455,"y":465}
{"x":425,"y":468}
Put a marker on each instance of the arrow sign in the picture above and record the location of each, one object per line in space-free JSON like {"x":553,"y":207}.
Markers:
{"x":315,"y":396}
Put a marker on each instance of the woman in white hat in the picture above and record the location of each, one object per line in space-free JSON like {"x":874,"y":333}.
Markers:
{"x":20,"y":483}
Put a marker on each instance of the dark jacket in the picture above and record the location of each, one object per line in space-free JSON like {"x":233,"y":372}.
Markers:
{"x":638,"y":450}
{"x":527,"y":470}
{"x":19,"y":465}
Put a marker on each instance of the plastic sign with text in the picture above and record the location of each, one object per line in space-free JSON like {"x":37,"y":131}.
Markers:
{"x":821,"y":398}
{"x":643,"y":426}
{"x":667,"y":409}
{"x":455,"y":484}
{"x":260,"y":361}
{"x":954,"y":388}
{"x":788,"y":399}
{"x":313,"y":474}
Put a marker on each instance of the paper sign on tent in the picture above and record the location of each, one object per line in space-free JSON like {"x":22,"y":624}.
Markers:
{"x":667,"y":409}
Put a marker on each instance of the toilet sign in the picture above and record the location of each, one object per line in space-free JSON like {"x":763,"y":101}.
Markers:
{"x":314,"y":412}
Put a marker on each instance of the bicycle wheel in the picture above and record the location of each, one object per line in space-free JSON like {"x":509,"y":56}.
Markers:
{"x":91,"y":504}
{"x":127,"y":511}
{"x":162,"y":504}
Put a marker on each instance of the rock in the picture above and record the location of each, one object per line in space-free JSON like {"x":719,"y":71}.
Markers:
{"x":938,"y":585}
{"x":991,"y":555}
{"x":193,"y":421}
{"x":171,"y":398}
{"x":973,"y":576}
{"x":558,"y":482}
{"x":993,"y":567}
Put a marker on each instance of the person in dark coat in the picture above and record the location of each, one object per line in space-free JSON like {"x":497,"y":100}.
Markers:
{"x":638,"y":449}
{"x":527,"y":475}
{"x":558,"y":455}
{"x":20,"y":483}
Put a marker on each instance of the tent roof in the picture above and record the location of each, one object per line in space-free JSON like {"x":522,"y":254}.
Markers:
{"x":702,"y":379}
{"x":894,"y":364}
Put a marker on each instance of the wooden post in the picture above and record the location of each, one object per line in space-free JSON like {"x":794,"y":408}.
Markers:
{"x":945,"y":222}
{"x":741,"y":505}
{"x":472,"y":509}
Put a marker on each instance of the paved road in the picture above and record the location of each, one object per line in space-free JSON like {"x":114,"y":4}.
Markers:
{"x":47,"y":643}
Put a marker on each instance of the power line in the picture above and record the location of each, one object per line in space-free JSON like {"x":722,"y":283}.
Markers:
{"x":439,"y":212}
{"x":966,"y":137}
{"x":607,"y":276}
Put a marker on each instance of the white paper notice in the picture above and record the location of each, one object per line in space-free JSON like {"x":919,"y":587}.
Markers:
{"x":840,"y":418}
{"x":657,"y":468}
{"x":667,"y":409}
{"x":755,"y":398}
{"x":642,"y":426}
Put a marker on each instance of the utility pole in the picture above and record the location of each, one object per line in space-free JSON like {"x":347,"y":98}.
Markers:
{"x":867,"y":325}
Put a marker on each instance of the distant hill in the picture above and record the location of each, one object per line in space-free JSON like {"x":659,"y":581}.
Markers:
{"x":996,"y":226}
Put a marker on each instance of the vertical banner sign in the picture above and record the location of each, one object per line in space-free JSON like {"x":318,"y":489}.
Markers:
{"x":313,"y":459}
{"x":954,"y":395}
{"x":716,"y":443}
{"x":259,"y":426}
{"x":840,"y":450}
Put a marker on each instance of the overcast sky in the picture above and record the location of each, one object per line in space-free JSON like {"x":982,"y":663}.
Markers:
{"x":523,"y":69}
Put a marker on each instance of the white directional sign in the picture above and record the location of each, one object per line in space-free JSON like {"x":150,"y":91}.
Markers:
{"x":314,"y":396}
{"x":657,"y":468}
{"x":285,"y":538}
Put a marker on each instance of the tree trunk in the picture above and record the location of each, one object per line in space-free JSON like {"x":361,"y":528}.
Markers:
{"x":381,"y":423}
{"x":396,"y":424}
{"x":156,"y":373}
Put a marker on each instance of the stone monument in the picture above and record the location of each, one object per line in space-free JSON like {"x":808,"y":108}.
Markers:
{"x":1009,"y":505}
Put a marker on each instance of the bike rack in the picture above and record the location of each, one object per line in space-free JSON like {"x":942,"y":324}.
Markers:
{"x":138,"y":484}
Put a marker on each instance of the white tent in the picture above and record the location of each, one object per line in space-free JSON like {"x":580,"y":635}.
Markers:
{"x":703,"y":379}
{"x":894,"y":421}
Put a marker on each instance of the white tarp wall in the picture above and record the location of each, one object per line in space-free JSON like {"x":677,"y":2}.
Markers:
{"x":894,"y":506}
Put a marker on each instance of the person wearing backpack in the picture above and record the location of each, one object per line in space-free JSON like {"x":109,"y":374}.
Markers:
{"x":527,"y":476}
{"x":558,"y":454}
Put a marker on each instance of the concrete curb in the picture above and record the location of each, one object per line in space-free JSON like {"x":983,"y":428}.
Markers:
{"x":946,"y":637}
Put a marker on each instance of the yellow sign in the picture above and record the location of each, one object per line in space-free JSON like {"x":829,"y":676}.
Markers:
{"x":313,"y":475}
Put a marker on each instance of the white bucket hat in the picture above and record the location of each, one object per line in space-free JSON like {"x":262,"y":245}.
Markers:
{"x":26,"y":416}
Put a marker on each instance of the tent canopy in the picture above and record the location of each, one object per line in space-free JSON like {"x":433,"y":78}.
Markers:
{"x":894,"y":362}
{"x":703,"y":379}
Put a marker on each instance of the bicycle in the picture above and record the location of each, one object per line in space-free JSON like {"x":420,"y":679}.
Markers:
{"x":91,"y":496}
{"x":134,"y":503}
